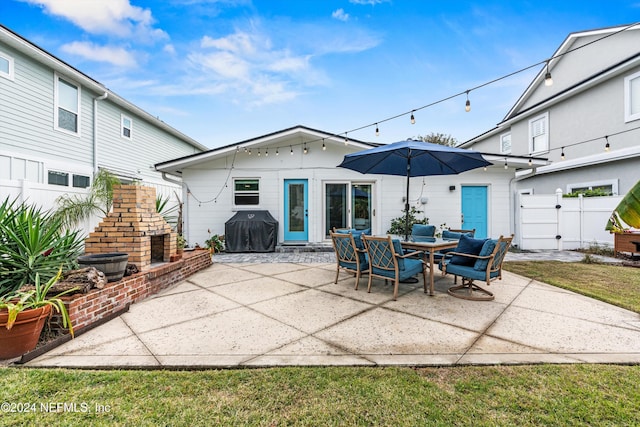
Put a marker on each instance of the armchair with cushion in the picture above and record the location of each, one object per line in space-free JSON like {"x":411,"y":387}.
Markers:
{"x":451,"y":234}
{"x":475,"y":259}
{"x":387,"y":260}
{"x":350,"y":253}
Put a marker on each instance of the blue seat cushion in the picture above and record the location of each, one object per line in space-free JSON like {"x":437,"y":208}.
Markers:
{"x":416,"y":238}
{"x":364,"y":263}
{"x":469,"y":272}
{"x":487,"y":249}
{"x":467,"y":245}
{"x":397,"y":248}
{"x":357,"y":235}
{"x":454,"y":235}
{"x":412,"y":267}
{"x":424,"y":230}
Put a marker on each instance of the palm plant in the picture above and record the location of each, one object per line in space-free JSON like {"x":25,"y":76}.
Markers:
{"x":73,"y":209}
{"x":34,"y":243}
{"x":627,"y":211}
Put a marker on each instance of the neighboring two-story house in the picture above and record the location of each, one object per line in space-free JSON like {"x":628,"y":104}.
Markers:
{"x":59,"y":126}
{"x":584,"y":117}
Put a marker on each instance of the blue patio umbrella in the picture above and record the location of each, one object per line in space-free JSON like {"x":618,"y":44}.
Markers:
{"x":413,"y":158}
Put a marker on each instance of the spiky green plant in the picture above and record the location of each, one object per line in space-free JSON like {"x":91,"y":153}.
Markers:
{"x":33,"y":243}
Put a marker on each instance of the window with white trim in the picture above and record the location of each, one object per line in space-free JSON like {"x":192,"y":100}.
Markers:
{"x":6,"y":66}
{"x":609,"y":187}
{"x":58,"y":178}
{"x":126,"y":126}
{"x":632,"y":97}
{"x":505,"y":143}
{"x":539,"y":134}
{"x":246,"y":191}
{"x":67,"y":111}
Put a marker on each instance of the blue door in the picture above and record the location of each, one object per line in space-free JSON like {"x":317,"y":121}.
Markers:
{"x":296,"y":210}
{"x":474,"y":209}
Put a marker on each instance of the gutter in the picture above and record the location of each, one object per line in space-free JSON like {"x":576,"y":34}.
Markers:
{"x":95,"y":130}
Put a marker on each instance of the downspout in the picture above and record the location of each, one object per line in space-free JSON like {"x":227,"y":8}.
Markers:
{"x":95,"y":130}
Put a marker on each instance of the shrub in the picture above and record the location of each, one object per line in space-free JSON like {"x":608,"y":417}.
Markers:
{"x":33,"y":243}
{"x":399,"y":225}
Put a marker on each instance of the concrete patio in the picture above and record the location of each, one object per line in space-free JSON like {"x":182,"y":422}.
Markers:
{"x":292,"y":314}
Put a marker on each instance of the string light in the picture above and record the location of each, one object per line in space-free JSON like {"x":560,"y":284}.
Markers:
{"x":548,"y":81}
{"x":258,"y":152}
{"x":413,"y":119}
{"x":249,"y":151}
{"x":346,"y":140}
{"x":562,"y":154}
{"x":530,"y":161}
{"x":305,"y":149}
{"x":324,"y":147}
{"x":467,"y":105}
{"x":266,"y":152}
{"x":291,"y":150}
{"x":505,"y":163}
{"x":607,"y":146}
{"x":377,"y":130}
{"x":277,"y":151}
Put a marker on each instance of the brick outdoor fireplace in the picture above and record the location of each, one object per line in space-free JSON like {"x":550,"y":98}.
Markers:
{"x":134,"y":227}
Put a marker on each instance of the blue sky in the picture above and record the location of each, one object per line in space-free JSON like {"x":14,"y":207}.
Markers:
{"x":222,"y":71}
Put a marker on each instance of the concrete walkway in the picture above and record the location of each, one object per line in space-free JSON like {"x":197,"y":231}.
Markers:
{"x":250,"y":314}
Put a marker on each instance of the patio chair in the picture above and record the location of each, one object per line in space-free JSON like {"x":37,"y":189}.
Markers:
{"x":454,"y":234}
{"x":423,"y":232}
{"x":350,"y":254}
{"x":388,"y":261}
{"x":484,"y":265}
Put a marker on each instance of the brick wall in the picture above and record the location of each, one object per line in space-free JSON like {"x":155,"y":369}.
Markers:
{"x":85,"y":309}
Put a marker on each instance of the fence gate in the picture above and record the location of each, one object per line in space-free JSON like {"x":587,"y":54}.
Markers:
{"x":549,"y":221}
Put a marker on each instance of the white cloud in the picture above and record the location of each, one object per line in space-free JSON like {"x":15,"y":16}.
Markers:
{"x":340,"y":15}
{"x":110,"y":54}
{"x":111,"y":17}
{"x":371,"y":2}
{"x":169,"y":48}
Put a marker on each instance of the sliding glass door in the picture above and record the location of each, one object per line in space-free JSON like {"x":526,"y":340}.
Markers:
{"x":348,"y":205}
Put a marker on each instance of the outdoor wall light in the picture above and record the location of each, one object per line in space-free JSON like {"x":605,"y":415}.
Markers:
{"x":452,"y":188}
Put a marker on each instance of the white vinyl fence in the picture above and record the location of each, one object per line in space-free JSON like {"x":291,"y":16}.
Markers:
{"x":45,"y":195}
{"x":553,"y":222}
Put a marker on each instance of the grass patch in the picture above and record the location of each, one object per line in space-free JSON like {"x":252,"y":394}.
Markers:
{"x":614,"y":284}
{"x":479,"y":396}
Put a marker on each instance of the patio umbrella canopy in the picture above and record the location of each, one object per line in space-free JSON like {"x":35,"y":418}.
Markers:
{"x":413,"y":158}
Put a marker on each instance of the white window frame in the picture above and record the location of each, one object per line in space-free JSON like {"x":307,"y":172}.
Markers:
{"x":628,"y":114}
{"x":612,"y":182}
{"x":11,"y":74}
{"x":545,"y":118}
{"x":247,"y":206}
{"x":78,"y":114}
{"x":502,"y":138}
{"x":123,"y":127}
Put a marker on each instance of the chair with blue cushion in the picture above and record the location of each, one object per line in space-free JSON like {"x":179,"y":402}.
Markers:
{"x":350,"y":254}
{"x":474,"y":261}
{"x":388,"y":261}
{"x":423,"y":233}
{"x":451,"y":234}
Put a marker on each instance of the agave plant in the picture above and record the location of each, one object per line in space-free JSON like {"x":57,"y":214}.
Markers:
{"x":627,"y":211}
{"x":34,"y":244}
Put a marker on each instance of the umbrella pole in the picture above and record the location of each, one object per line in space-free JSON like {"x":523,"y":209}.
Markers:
{"x":406,"y":204}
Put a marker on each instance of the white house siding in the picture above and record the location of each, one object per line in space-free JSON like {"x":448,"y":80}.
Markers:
{"x":206,"y":182}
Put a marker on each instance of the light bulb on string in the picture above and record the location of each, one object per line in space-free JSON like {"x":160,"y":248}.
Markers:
{"x":305,"y":149}
{"x":467,"y":105}
{"x":562,"y":154}
{"x":548,"y":81}
{"x":377,"y":130}
{"x":505,"y":163}
{"x":607,"y":146}
{"x":324,"y":147}
{"x":258,"y":152}
{"x":277,"y":151}
{"x":291,"y":150}
{"x":249,"y":151}
{"x":530,"y":161}
{"x":413,"y":119}
{"x":266,"y":152}
{"x":346,"y":139}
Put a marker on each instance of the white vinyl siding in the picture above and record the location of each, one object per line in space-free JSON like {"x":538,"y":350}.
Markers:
{"x":67,"y":110}
{"x":126,"y":126}
{"x":539,"y":134}
{"x":6,"y":66}
{"x":632,"y":97}
{"x":505,"y":143}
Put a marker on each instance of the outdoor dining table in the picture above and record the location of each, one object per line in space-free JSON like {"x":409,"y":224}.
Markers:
{"x":430,"y":247}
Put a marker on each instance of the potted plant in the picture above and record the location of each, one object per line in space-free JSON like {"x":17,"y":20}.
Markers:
{"x":22,"y":316}
{"x":215,"y":243}
{"x":181,"y":242}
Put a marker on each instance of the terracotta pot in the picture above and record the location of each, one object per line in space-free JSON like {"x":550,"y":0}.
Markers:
{"x":23,"y":336}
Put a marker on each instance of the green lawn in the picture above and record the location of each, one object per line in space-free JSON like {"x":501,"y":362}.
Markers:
{"x":559,"y":395}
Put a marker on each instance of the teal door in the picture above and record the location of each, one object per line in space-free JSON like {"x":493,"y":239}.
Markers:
{"x":296,"y":210}
{"x":474,"y":209}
